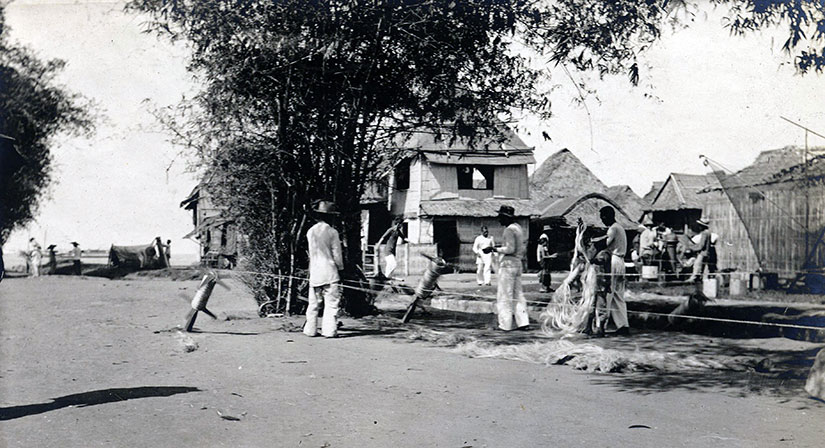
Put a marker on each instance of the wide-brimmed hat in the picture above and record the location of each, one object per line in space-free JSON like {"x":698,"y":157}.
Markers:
{"x":74,"y":243}
{"x":546,"y":227}
{"x":647,"y":221}
{"x":506,"y":210}
{"x":51,"y":246}
{"x":702,"y":223}
{"x":325,"y":208}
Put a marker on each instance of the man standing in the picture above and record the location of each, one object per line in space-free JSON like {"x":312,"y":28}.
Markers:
{"x":35,"y":257}
{"x":544,"y":257}
{"x":510,"y":300}
{"x":52,"y":259}
{"x":387,"y":244}
{"x":699,"y":245}
{"x":325,"y":260}
{"x":616,"y":248}
{"x":647,"y":243}
{"x":483,"y":248}
{"x":76,"y":253}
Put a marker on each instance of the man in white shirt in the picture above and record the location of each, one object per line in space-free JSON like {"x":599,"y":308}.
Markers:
{"x":482,"y":247}
{"x":647,"y":242}
{"x":76,"y":254}
{"x":616,"y":241}
{"x":510,"y":301}
{"x":35,"y":257}
{"x":325,"y":260}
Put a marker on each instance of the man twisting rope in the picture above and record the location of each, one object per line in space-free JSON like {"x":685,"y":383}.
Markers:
{"x":510,"y":300}
{"x":615,"y":250}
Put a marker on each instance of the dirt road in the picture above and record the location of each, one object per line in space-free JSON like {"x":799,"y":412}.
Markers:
{"x":93,"y":362}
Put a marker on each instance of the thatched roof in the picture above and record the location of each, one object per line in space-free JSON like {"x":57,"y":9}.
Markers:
{"x":568,"y":210}
{"x":628,"y":199}
{"x":771,"y":166}
{"x":654,"y":190}
{"x":680,"y":191}
{"x":563,"y":175}
{"x":475,"y":207}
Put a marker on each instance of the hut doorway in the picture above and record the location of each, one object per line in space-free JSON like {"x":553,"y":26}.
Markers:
{"x":445,"y":236}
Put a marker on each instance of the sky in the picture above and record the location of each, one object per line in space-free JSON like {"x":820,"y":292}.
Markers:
{"x":706,"y":93}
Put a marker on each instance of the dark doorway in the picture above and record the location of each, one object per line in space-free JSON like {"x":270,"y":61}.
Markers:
{"x":445,"y":236}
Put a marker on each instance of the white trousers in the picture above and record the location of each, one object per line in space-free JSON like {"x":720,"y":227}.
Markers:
{"x":484,"y":269}
{"x":389,"y":265}
{"x":510,"y":300}
{"x":615,"y":306}
{"x":331,"y":296}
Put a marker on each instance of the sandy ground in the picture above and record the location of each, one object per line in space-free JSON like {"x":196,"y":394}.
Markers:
{"x":95,"y":362}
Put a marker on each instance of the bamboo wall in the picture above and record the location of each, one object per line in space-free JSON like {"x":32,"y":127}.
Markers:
{"x":441,"y":181}
{"x":777,"y":226}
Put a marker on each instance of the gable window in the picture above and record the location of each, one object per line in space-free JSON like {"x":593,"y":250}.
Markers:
{"x":475,"y":177}
{"x":402,"y":175}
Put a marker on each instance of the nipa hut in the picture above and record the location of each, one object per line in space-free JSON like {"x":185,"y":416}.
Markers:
{"x":677,"y":202}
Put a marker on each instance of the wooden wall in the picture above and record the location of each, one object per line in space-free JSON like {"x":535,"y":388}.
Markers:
{"x":441,"y":181}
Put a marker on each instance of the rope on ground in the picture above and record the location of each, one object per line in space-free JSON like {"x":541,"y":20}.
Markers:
{"x":641,"y":313}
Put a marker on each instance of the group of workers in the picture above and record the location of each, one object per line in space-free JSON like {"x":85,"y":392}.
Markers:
{"x":34,"y":258}
{"x":326,"y":260}
{"x":692,"y":253}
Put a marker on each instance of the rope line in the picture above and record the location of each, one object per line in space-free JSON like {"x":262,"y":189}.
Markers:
{"x":493,"y":298}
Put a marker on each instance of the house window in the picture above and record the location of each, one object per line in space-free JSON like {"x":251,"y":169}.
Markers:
{"x":475,"y":177}
{"x":402,"y":175}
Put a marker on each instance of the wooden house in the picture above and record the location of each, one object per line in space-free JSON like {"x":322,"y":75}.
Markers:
{"x":770,"y":214}
{"x":445,"y":191}
{"x":216,"y":233}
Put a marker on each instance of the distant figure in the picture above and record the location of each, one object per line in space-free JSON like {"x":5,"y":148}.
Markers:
{"x":325,"y":260}
{"x":510,"y":301}
{"x":545,"y":258}
{"x":35,"y":257}
{"x":2,"y":264}
{"x":648,"y":249}
{"x":483,"y":248}
{"x":52,"y":259}
{"x":387,"y":244}
{"x":76,"y":253}
{"x":613,"y":257}
{"x":168,"y":249}
{"x":698,"y":249}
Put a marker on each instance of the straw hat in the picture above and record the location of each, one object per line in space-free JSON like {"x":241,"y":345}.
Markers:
{"x":325,"y":208}
{"x":703,"y":223}
{"x":506,"y":210}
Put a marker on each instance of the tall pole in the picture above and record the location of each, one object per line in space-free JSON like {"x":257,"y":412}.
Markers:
{"x":807,"y":193}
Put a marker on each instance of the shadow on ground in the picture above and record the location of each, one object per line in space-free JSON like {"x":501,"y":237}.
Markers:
{"x":92,"y":398}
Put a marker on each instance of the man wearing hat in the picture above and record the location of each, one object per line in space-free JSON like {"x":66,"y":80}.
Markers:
{"x":325,"y":260}
{"x":510,"y":301}
{"x":35,"y":257}
{"x":76,"y":253}
{"x":388,"y":243}
{"x":483,"y":248}
{"x":647,"y":242}
{"x":699,"y":247}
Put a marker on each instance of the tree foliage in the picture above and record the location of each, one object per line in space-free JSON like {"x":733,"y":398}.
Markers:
{"x":34,"y":111}
{"x":304,"y":99}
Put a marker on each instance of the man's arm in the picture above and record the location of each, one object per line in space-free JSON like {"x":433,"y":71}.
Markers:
{"x":476,"y":248}
{"x":509,"y":245}
{"x":336,"y":250}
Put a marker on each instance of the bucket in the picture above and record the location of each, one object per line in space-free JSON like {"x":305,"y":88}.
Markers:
{"x":755,"y":283}
{"x":650,"y":272}
{"x":710,"y":287}
{"x":737,"y":286}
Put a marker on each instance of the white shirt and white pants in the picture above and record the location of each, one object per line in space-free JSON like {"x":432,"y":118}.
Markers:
{"x":484,"y":261}
{"x":615,"y":306}
{"x":325,"y":260}
{"x":510,"y":301}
